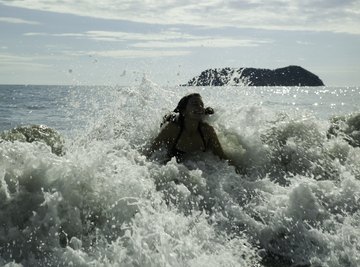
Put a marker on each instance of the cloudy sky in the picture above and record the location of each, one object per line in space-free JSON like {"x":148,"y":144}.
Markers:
{"x":117,"y":41}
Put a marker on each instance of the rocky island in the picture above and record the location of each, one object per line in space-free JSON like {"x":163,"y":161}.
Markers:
{"x":287,"y":76}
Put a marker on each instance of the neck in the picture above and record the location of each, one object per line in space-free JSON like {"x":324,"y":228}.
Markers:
{"x":191,"y":126}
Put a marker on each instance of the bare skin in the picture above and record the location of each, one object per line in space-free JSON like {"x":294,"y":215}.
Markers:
{"x":190,"y":140}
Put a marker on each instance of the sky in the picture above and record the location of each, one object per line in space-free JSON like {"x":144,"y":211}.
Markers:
{"x":118,"y":42}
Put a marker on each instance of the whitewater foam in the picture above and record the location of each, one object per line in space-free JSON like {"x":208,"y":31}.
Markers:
{"x":103,"y":203}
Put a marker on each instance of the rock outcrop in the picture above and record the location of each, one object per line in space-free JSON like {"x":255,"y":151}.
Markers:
{"x":35,"y":133}
{"x":288,"y":76}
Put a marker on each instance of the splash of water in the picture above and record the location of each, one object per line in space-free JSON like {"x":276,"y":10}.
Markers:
{"x":103,"y":203}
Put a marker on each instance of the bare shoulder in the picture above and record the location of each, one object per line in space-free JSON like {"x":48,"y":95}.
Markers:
{"x":171,"y":127}
{"x":170,"y":130}
{"x":166,"y":136}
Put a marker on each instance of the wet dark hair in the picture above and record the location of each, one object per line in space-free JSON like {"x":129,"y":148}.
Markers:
{"x":181,"y":106}
{"x":177,"y":114}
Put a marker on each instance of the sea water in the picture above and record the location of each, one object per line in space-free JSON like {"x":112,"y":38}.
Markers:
{"x":101,"y":202}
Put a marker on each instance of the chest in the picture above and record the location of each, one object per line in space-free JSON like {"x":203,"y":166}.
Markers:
{"x":191,"y":143}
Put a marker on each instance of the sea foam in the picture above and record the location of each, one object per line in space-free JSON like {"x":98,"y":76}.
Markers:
{"x":103,"y":203}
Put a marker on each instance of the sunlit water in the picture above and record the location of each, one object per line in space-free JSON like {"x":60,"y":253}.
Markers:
{"x":104,"y":204}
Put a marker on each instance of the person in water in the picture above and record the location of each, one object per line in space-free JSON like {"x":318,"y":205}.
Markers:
{"x":187,"y":133}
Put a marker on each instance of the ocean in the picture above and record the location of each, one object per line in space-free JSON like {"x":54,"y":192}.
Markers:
{"x":76,"y":190}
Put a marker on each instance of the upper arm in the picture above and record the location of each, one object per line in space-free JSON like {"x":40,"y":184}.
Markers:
{"x":213,"y":142}
{"x":216,"y":147}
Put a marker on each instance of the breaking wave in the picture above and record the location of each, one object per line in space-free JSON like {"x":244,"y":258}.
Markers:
{"x":102,"y":203}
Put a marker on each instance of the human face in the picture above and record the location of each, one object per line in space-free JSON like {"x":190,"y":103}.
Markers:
{"x":195,"y":108}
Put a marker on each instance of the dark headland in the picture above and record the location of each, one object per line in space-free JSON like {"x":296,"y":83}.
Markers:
{"x":287,"y":76}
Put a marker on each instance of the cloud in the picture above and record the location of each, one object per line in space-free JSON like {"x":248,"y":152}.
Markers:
{"x":8,"y":58}
{"x":79,"y":35}
{"x":304,"y":43}
{"x":14,"y":59}
{"x":173,"y":39}
{"x":17,"y":21}
{"x":119,"y":36}
{"x":164,"y":39}
{"x":130,"y":53}
{"x":308,"y":15}
{"x":11,"y":61}
{"x":211,"y":42}
{"x":169,"y":43}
